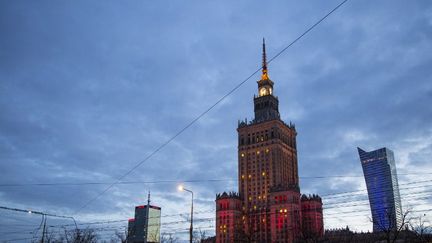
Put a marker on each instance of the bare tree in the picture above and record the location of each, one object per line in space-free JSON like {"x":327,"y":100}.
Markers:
{"x":71,"y":236}
{"x":421,"y":228}
{"x":199,"y":236}
{"x":120,"y":237}
{"x":49,"y":237}
{"x":389,"y":226}
{"x":168,"y":238}
{"x":83,"y":236}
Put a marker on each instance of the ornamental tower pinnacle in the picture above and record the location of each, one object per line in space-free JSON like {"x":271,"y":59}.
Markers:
{"x":264,"y":63}
{"x":266,"y":106}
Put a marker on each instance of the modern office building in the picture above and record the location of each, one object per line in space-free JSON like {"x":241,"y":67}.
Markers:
{"x":268,"y":205}
{"x":145,"y":227}
{"x":379,"y":170}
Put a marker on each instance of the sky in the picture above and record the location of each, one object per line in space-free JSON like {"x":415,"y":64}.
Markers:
{"x":88,"y":89}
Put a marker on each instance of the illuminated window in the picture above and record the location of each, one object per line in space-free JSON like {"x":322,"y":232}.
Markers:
{"x":242,"y":154}
{"x":258,"y":152}
{"x":263,"y":173}
{"x":267,"y":150}
{"x":250,"y":176}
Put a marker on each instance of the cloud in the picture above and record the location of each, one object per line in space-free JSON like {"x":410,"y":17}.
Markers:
{"x":88,"y":90}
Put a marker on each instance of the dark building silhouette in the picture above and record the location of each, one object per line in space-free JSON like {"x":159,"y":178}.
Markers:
{"x":269,"y":193}
{"x":380,"y":174}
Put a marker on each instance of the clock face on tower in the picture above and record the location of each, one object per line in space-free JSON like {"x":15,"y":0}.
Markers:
{"x":265,"y":91}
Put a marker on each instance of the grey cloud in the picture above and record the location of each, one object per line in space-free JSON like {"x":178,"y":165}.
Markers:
{"x":87,"y":90}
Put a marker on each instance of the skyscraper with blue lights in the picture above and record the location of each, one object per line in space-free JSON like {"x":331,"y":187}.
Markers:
{"x":379,"y":170}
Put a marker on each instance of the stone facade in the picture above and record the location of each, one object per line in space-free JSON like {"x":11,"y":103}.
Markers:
{"x":312,"y":216}
{"x":268,"y":207}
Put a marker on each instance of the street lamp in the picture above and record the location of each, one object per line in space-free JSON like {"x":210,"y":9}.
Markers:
{"x":181,"y":188}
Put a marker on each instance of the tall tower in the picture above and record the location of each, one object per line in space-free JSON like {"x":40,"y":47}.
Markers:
{"x":267,"y":168}
{"x":268,"y":181}
{"x":380,"y":174}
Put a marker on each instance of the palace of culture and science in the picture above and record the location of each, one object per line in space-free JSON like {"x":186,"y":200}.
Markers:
{"x":268,"y":206}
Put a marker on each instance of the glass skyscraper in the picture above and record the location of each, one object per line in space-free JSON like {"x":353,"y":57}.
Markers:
{"x":379,"y":170}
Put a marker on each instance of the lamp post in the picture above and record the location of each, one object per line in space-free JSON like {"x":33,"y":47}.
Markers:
{"x":181,"y":188}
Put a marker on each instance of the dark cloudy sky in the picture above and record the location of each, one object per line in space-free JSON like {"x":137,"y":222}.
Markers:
{"x":90,"y":88}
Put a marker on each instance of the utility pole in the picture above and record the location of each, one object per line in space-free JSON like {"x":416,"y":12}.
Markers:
{"x":181,"y":188}
{"x":44,"y":218}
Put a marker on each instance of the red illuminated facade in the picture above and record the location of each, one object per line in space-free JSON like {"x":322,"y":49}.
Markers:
{"x":268,"y":207}
{"x":229,"y":213}
{"x":312,"y":216}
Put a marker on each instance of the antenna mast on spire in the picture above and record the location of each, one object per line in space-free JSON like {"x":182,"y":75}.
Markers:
{"x":264,"y":75}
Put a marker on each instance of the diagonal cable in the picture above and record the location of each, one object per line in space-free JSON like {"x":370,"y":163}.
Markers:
{"x":207,"y":110}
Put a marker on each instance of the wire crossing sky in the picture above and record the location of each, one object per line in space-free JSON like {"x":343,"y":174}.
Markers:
{"x":208,"y":110}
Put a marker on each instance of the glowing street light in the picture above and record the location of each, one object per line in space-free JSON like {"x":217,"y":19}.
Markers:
{"x":182,"y":188}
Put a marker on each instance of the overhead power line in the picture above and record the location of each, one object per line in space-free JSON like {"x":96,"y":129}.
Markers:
{"x":212,"y":219}
{"x":354,"y":202}
{"x":39,"y":213}
{"x":334,"y":206}
{"x":174,"y":181}
{"x":339,"y":194}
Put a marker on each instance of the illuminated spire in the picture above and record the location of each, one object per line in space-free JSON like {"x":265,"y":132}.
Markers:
{"x":264,"y":75}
